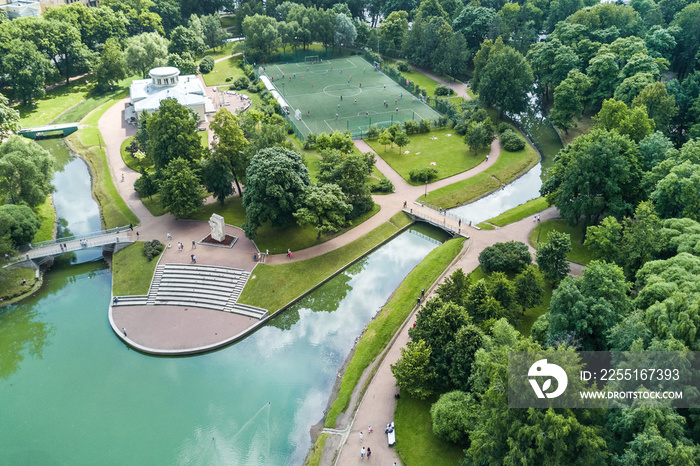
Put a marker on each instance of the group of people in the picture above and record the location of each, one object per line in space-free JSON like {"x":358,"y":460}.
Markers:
{"x":364,"y":451}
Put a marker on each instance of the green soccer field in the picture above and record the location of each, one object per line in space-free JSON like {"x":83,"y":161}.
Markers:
{"x":343,"y":94}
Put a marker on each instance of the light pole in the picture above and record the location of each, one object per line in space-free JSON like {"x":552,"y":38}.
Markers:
{"x":425,"y":196}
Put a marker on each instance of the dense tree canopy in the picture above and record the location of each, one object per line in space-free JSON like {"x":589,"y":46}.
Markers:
{"x":26,"y":170}
{"x":172,"y":133}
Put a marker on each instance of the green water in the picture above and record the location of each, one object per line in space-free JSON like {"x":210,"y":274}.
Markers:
{"x":72,"y":393}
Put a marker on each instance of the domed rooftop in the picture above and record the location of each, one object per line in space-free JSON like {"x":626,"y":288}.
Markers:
{"x":164,"y":72}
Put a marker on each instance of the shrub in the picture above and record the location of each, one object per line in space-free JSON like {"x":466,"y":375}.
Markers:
{"x":511,"y":257}
{"x":152,"y":249}
{"x":503,"y":127}
{"x":441,"y":90}
{"x":249,"y":72}
{"x":206,"y":65}
{"x":411,"y":126}
{"x":241,"y":83}
{"x":461,"y":128}
{"x":228,"y":80}
{"x":310,"y":141}
{"x":511,"y":142}
{"x":424,"y":126}
{"x":384,"y":186}
{"x":441,"y":122}
{"x":253,"y":89}
{"x":372,"y":132}
{"x":423,"y":174}
{"x":402,"y":66}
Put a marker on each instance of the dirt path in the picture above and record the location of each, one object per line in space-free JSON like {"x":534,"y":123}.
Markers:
{"x":459,"y":88}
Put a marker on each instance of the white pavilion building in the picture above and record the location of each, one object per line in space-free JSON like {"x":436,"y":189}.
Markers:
{"x":166,"y":83}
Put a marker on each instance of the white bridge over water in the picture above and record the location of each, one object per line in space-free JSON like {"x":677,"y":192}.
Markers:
{"x":109,"y":240}
{"x":451,"y":223}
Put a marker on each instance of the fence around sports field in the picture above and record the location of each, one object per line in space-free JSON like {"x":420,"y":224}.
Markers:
{"x":383,"y":100}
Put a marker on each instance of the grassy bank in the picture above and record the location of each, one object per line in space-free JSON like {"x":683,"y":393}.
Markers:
{"x":415,"y":441}
{"x":88,"y":142}
{"x":508,"y":167}
{"x":10,"y":282}
{"x":263,"y":288}
{"x":314,"y":456}
{"x":131,"y":271}
{"x":520,"y":212}
{"x":579,"y":253}
{"x":47,"y":215}
{"x":380,"y":331}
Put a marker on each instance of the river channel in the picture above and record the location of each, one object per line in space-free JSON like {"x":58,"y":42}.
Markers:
{"x":73,"y":393}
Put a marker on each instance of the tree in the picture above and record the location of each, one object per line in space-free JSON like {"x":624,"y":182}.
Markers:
{"x":529,"y":287}
{"x":605,"y":240}
{"x":616,"y":116}
{"x":172,"y":133}
{"x":324,"y":209}
{"x":585,"y":309}
{"x":146,"y":51}
{"x":9,"y":119}
{"x":277,"y":180}
{"x":659,"y":105}
{"x":19,"y":222}
{"x":551,"y":256}
{"x":401,"y":140}
{"x":392,"y":32}
{"x":632,"y":86}
{"x":351,"y":172}
{"x":678,"y":193}
{"x":603,"y":72}
{"x":511,"y":257}
{"x":345,"y":32}
{"x":454,"y":416}
{"x":66,"y":50}
{"x":184,"y":39}
{"x":261,"y":35}
{"x":230,"y":142}
{"x":180,"y":189}
{"x":146,"y":185}
{"x":480,"y":135}
{"x":461,"y":352}
{"x":185,"y":63}
{"x":25,"y":69}
{"x":112,"y":65}
{"x":474,"y":22}
{"x":412,"y":371}
{"x":26,"y":170}
{"x":384,"y":138}
{"x":506,"y":80}
{"x":688,"y":39}
{"x":213,"y":34}
{"x":218,"y":176}
{"x":596,"y":174}
{"x":569,"y":99}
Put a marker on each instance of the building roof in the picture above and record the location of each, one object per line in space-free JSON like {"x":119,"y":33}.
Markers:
{"x":147,"y":96}
{"x":163,"y":71}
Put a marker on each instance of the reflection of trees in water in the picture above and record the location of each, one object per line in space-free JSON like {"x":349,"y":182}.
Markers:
{"x":62,"y":231}
{"x":326,"y":298}
{"x":20,"y":335}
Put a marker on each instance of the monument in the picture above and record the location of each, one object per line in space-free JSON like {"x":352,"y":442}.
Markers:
{"x":216,"y":222}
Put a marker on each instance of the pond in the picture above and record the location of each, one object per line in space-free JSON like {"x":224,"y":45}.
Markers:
{"x":73,"y":393}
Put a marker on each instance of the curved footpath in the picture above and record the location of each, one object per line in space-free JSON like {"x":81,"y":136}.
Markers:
{"x":189,"y":331}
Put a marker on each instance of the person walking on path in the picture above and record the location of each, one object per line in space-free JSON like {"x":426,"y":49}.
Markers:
{"x":361,"y":437}
{"x":194,"y":245}
{"x":369,"y":452}
{"x":362,"y":453}
{"x":170,"y":236}
{"x":124,"y":331}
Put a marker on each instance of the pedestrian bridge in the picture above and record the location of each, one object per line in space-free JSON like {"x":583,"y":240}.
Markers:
{"x":39,"y":132}
{"x":109,"y":240}
{"x":451,"y":223}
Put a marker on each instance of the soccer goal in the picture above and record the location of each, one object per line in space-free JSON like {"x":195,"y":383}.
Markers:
{"x":311,"y":59}
{"x":377,"y":66}
{"x":297,"y":114}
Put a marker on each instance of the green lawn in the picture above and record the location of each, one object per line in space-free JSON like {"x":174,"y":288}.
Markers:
{"x":450,"y":155}
{"x":131,"y":271}
{"x":263,"y":288}
{"x":421,"y":80}
{"x":380,"y":331}
{"x":153,"y":204}
{"x":401,"y":219}
{"x":579,"y":253}
{"x":47,"y":215}
{"x":583,"y":126}
{"x":224,"y":69}
{"x":87,"y":142}
{"x":228,"y":21}
{"x":204,"y":136}
{"x":131,"y":161}
{"x":92,"y":101}
{"x":57,"y":100}
{"x":508,"y":167}
{"x":416,"y":443}
{"x":11,"y":279}
{"x":228,"y":48}
{"x":520,"y":212}
{"x":277,"y":240}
